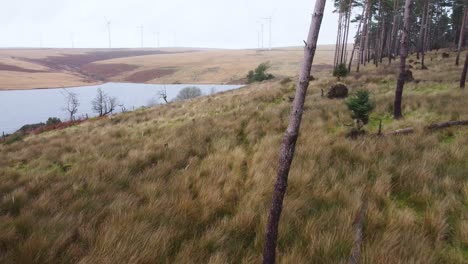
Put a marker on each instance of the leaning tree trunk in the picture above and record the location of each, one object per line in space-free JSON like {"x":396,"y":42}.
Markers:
{"x":461,"y":41}
{"x":358,"y":33}
{"x":403,"y":54}
{"x":463,"y":77}
{"x":290,"y":138}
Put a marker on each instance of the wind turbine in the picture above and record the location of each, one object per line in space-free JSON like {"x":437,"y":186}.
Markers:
{"x":269,"y":19}
{"x":141,"y":28}
{"x":262,"y":34}
{"x":108,"y":23}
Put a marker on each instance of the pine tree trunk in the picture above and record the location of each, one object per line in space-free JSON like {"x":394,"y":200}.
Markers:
{"x":463,"y":76}
{"x":424,"y":36}
{"x":394,"y":36}
{"x":338,"y":38}
{"x":366,"y":45}
{"x":421,"y":30}
{"x":290,"y":138}
{"x":358,"y":33}
{"x":361,"y":40}
{"x":397,"y":114}
{"x":461,"y":41}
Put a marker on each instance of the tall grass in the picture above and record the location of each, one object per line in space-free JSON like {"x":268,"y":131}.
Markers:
{"x":191,"y":182}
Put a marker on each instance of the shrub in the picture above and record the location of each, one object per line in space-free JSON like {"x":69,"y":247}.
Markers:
{"x":188,"y":93}
{"x":360,"y":106}
{"x":260,"y":74}
{"x":53,"y":121}
{"x":340,"y":71}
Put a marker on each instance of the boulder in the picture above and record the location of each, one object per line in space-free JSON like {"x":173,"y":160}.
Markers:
{"x":409,"y":76}
{"x":338,"y":90}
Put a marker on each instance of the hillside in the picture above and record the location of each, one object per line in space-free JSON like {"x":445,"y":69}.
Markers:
{"x":49,"y":68}
{"x":191,"y":182}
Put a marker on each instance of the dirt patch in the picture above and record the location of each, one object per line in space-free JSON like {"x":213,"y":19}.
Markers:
{"x":105,"y":71}
{"x":76,"y":61}
{"x":6,"y":67}
{"x":148,"y":75}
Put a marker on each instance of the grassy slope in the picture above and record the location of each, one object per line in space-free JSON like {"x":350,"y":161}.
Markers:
{"x":191,"y":182}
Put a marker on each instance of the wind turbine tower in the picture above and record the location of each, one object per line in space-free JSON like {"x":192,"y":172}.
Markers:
{"x":269,"y":19}
{"x":109,"y":33}
{"x":141,"y":28}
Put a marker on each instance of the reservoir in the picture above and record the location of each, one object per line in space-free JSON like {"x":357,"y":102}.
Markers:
{"x":20,"y":107}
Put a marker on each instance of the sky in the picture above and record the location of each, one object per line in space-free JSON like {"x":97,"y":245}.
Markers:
{"x":233,"y":24}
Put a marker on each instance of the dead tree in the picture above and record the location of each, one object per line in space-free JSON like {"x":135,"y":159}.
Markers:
{"x":72,"y":104}
{"x":103,"y":104}
{"x":359,"y":233}
{"x":290,"y":138}
{"x":163,"y":95}
{"x":403,"y":54}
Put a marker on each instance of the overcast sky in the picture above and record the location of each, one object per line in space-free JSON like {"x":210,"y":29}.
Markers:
{"x":187,"y":23}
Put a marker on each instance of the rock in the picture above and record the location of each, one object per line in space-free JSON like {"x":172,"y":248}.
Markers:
{"x":409,"y":76}
{"x":338,"y":90}
{"x":445,"y":55}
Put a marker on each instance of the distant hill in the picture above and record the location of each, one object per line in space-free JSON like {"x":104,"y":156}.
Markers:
{"x":49,"y":68}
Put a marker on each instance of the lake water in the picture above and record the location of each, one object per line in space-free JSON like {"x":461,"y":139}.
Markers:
{"x":20,"y":107}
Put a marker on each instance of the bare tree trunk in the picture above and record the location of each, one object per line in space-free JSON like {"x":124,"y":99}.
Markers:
{"x":359,"y":233}
{"x":361,"y":40}
{"x":463,"y":76}
{"x":348,"y":22}
{"x":423,"y":33}
{"x":403,"y":54}
{"x":428,"y":40}
{"x":421,"y":30}
{"x":384,"y":40}
{"x":394,"y":32}
{"x":366,"y":45}
{"x":288,"y":145}
{"x":461,"y":41}
{"x":338,"y":37}
{"x":358,"y":33}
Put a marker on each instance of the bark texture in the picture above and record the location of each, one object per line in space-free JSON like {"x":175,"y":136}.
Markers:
{"x":289,"y":141}
{"x":463,"y":76}
{"x":461,"y":41}
{"x":397,"y":114}
{"x":359,"y":233}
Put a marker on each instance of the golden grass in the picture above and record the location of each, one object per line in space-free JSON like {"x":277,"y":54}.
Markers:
{"x":191,"y":182}
{"x":197,"y":66}
{"x":223,"y":66}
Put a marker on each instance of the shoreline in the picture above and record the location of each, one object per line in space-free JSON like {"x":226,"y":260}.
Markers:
{"x":101,"y":83}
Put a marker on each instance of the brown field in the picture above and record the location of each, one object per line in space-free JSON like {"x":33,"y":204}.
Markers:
{"x":49,"y":68}
{"x":192,"y":181}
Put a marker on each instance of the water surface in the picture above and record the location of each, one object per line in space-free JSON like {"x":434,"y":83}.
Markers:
{"x":20,"y":107}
